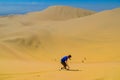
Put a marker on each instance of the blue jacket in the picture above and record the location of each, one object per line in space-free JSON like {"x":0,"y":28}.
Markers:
{"x":65,"y":58}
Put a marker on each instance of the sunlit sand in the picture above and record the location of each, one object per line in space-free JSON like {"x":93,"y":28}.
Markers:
{"x":31,"y":45}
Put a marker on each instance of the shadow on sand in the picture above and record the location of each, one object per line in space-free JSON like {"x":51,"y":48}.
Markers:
{"x":74,"y":70}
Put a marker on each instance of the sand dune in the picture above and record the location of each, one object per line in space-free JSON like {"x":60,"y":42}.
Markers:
{"x":52,"y":13}
{"x":30,"y":43}
{"x":60,"y":13}
{"x":101,"y":24}
{"x":97,"y":33}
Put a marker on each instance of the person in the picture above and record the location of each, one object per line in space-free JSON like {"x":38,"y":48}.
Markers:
{"x":64,"y":62}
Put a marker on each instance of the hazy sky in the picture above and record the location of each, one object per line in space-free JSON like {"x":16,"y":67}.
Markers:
{"x":23,"y":6}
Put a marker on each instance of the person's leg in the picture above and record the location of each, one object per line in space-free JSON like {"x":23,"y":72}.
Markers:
{"x":64,"y":65}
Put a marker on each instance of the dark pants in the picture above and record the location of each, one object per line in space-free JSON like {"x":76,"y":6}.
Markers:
{"x":64,"y":64}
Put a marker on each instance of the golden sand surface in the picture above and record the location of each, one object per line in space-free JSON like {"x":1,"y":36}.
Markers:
{"x":31,"y":45}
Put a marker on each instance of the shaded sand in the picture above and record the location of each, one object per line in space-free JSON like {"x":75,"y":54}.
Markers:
{"x":31,"y":46}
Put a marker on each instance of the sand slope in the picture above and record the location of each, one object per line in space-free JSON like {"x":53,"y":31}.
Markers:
{"x":30,"y":48}
{"x":19,"y":70}
{"x":92,"y":35}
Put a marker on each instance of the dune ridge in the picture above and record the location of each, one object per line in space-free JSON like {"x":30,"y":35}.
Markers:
{"x":56,"y":13}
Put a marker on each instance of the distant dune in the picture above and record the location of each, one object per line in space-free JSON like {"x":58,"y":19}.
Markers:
{"x":59,"y":13}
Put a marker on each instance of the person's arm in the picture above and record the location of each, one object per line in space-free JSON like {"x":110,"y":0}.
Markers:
{"x":67,"y":64}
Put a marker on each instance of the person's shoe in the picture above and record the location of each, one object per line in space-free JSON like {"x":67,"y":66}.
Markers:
{"x":67,"y":69}
{"x":61,"y":68}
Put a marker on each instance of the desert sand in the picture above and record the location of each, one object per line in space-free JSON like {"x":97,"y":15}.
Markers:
{"x":32,"y":44}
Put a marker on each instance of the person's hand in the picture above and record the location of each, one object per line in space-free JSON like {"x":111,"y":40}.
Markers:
{"x":68,"y":67}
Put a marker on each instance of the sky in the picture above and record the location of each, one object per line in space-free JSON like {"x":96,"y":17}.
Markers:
{"x":9,"y":7}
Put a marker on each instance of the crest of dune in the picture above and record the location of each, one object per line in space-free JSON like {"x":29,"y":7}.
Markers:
{"x":61,"y":13}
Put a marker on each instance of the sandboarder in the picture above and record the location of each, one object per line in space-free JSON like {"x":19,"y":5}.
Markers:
{"x":64,"y":62}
